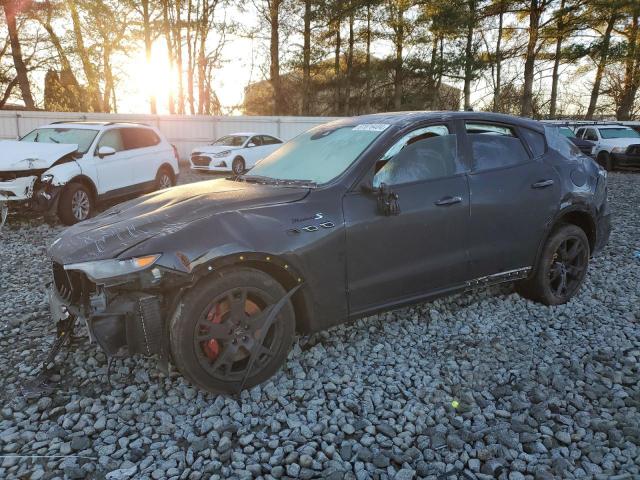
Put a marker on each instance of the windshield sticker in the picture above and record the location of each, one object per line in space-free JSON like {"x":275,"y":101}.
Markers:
{"x":371,"y":127}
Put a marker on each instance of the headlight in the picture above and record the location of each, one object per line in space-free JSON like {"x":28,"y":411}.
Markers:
{"x":46,"y":178}
{"x":221,"y":154}
{"x":103,"y":269}
{"x":618,"y":149}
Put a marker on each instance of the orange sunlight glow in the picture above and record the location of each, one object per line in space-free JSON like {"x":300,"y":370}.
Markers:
{"x":155,"y":78}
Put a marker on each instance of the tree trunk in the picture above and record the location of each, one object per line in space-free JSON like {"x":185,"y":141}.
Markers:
{"x":190,"y":62}
{"x":526,"y":105}
{"x":399,"y":71}
{"x":336,"y":71}
{"x":108,"y":78}
{"x":602,"y":63}
{"x":16,"y":53}
{"x":468,"y":55}
{"x":179,"y":61}
{"x":349,"y":75}
{"x":203,"y":30}
{"x":146,"y":22}
{"x":93,"y":86}
{"x":306,"y":62}
{"x":632,"y":72}
{"x":368,"y":92}
{"x":274,"y":53}
{"x":556,"y":62}
{"x":498,"y":86}
{"x":166,"y":30}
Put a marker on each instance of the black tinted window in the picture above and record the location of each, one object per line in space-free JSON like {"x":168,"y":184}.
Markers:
{"x":495,"y":146}
{"x":257,"y":140}
{"x":424,"y":154}
{"x":591,"y":135}
{"x":268,"y":140}
{"x":139,"y":138}
{"x":535,"y":141}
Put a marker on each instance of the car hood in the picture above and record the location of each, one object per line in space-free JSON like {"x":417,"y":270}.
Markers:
{"x":213,"y":149}
{"x":126,"y":225}
{"x":16,"y":155}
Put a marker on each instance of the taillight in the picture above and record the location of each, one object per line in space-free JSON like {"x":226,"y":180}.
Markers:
{"x":175,"y":153}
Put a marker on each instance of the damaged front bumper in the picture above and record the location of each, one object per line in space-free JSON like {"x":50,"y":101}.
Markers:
{"x":37,"y":195}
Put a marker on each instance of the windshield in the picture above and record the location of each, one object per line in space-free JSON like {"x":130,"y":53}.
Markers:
{"x":621,"y":132}
{"x":83,"y":137}
{"x":230,"y":141}
{"x":319,"y":155}
{"x":567,"y":132}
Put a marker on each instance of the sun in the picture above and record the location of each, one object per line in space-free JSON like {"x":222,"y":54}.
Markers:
{"x":155,"y":78}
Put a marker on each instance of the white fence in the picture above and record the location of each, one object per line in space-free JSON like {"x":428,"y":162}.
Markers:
{"x":184,"y":131}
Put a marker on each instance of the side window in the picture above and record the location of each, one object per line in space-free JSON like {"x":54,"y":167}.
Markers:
{"x":580,"y":132}
{"x":139,"y":138}
{"x":535,"y":140}
{"x":424,"y":154}
{"x":256,"y":140}
{"x":268,"y":140}
{"x":495,"y":146}
{"x":591,"y":135}
{"x":111,"y":138}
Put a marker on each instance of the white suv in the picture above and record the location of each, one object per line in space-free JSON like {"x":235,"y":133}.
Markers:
{"x":615,"y":145}
{"x":66,"y":168}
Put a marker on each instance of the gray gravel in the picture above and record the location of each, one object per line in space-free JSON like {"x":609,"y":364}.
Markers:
{"x":482,"y":385}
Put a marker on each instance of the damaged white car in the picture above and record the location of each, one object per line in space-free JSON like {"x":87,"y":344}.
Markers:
{"x":65,"y":169}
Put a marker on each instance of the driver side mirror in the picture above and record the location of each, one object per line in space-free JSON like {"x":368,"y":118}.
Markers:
{"x":387,"y":200}
{"x":251,"y":144}
{"x":105,"y":151}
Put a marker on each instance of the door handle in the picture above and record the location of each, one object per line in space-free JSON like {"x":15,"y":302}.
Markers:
{"x":448,"y":201}
{"x":542,"y":184}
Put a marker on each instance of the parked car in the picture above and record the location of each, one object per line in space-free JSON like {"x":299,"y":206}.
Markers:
{"x":234,"y":153}
{"x":615,"y":145}
{"x":66,"y":168}
{"x":354,"y":217}
{"x":587,"y":147}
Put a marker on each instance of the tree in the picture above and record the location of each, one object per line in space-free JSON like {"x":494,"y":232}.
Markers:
{"x":631,"y":64}
{"x":11,"y":9}
{"x":535,"y":11}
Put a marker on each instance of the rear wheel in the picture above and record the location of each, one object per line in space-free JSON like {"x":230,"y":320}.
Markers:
{"x":76,"y":204}
{"x":604,"y":159}
{"x":164,"y":179}
{"x":238,"y":166}
{"x":220,"y":324}
{"x":561,"y":269}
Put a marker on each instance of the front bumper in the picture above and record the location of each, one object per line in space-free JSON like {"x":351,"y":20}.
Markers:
{"x":18,"y":189}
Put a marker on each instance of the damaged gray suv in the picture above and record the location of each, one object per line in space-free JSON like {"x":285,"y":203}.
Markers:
{"x":350,"y":218}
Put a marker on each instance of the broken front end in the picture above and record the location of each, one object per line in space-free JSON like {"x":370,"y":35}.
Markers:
{"x":29,"y":188}
{"x":125,"y":313}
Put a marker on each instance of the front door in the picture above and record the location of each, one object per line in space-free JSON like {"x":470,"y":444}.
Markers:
{"x":514,"y":195}
{"x":114,"y":172}
{"x":421,"y":249}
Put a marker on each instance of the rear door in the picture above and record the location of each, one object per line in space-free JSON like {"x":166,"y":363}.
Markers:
{"x":422,"y":249}
{"x":514,"y":193}
{"x":114,"y":172}
{"x":147,"y":154}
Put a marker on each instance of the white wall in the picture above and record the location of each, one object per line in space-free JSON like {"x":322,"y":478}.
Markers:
{"x":184,"y":131}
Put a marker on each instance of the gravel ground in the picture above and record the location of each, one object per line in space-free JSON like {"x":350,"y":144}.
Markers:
{"x":482,"y":385}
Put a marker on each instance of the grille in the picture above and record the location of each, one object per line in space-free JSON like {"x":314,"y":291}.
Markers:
{"x":70,"y":284}
{"x":200,"y":161}
{"x":633,"y":150}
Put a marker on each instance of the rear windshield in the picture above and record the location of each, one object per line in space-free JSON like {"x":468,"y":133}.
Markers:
{"x":83,"y":137}
{"x":621,"y":132}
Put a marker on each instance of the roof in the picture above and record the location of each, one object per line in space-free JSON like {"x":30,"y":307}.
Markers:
{"x":93,"y":123}
{"x":403,"y":118}
{"x":247,"y":134}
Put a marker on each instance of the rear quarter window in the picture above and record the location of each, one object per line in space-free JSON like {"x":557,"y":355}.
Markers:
{"x":495,"y":146}
{"x":139,"y":138}
{"x":535,"y":140}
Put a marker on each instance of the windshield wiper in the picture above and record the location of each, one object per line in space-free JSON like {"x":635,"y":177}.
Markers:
{"x":277,"y":181}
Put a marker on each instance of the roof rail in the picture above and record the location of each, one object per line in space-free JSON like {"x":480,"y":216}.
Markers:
{"x":127,"y":122}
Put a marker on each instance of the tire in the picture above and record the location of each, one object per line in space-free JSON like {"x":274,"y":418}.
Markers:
{"x":558,"y":263}
{"x":604,"y":159}
{"x":238,"y":166}
{"x":76,"y":204}
{"x":217,"y":364}
{"x":164,"y":179}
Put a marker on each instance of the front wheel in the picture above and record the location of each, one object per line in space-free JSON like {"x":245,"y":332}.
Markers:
{"x":220,"y":324}
{"x":561,"y":269}
{"x":164,"y":179}
{"x":76,"y":204}
{"x":238,"y":166}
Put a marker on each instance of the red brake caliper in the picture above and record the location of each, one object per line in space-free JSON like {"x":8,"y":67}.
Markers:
{"x":212,"y":347}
